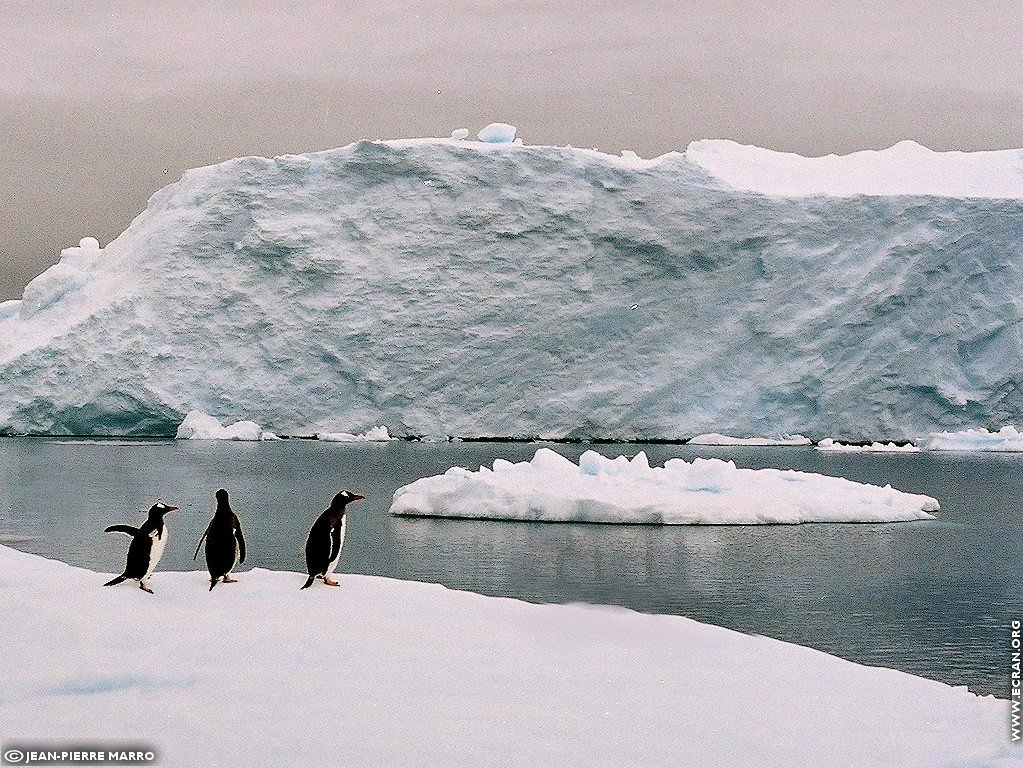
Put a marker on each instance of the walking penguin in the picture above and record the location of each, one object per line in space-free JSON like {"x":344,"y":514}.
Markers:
{"x":224,"y":542}
{"x":326,"y":537}
{"x":146,"y":548}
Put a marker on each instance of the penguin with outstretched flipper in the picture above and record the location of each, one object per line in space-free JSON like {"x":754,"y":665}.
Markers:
{"x":146,"y":548}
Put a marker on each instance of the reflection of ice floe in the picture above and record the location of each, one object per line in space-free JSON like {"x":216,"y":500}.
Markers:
{"x":706,"y":491}
{"x":829,"y":444}
{"x":1005,"y":439}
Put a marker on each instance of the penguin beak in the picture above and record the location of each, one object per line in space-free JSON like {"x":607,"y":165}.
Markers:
{"x":356,"y":497}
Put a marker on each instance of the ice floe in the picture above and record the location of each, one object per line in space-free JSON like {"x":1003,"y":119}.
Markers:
{"x":705,"y":491}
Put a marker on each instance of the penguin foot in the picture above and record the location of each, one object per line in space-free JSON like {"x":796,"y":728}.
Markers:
{"x":330,"y":582}
{"x":145,"y":587}
{"x":229,"y":579}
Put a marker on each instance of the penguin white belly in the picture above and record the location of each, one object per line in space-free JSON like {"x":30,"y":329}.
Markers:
{"x":340,"y":546}
{"x":156,"y":550}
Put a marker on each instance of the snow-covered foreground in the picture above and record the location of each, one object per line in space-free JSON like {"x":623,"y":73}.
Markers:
{"x":389,"y":673}
{"x":706,"y":491}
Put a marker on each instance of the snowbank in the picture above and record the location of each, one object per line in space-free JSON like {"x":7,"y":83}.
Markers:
{"x":202,"y":426}
{"x":1006,"y":439}
{"x":715,"y":439}
{"x":458,"y":287}
{"x":706,"y":491}
{"x":387,"y":673}
{"x":376,"y":434}
{"x":830,"y":444}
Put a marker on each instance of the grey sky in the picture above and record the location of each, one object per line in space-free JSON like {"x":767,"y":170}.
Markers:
{"x":103,"y":103}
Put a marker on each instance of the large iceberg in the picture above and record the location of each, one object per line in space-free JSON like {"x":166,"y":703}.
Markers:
{"x":391,"y":673}
{"x":467,"y":288}
{"x":552,"y":488}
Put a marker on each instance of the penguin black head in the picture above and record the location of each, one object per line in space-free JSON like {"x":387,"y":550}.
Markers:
{"x":159,"y":509}
{"x":345,"y":497}
{"x":221,"y":496}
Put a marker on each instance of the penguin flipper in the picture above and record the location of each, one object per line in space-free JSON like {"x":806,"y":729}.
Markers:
{"x":201,"y":538}
{"x":309,"y":583}
{"x":241,"y":544}
{"x":335,"y":543}
{"x":128,"y":529}
{"x":117,"y":580}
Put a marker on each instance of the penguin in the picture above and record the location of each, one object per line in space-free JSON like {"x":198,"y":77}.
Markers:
{"x":326,"y":537}
{"x":224,"y":542}
{"x":146,"y":548}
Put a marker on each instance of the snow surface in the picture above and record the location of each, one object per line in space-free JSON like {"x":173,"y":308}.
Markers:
{"x":830,"y":444}
{"x":602,"y":490}
{"x":1005,"y":439}
{"x":716,"y":439}
{"x":904,"y":169}
{"x":381,"y":673}
{"x":202,"y":426}
{"x":463,"y":288}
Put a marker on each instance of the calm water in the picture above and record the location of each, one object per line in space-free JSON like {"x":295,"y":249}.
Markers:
{"x":930,"y":598}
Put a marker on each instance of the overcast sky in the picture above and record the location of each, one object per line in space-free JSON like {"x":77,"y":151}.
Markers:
{"x":103,"y":103}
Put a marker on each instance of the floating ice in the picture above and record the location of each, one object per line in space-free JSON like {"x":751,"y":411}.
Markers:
{"x":460,"y":133}
{"x":830,"y":444}
{"x":376,"y":434}
{"x":201,"y":426}
{"x":1006,"y":439}
{"x":620,"y":490}
{"x":497,"y":133}
{"x":428,"y":676}
{"x":714,"y":438}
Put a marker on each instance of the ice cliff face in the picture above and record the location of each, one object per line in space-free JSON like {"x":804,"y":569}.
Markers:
{"x":446,"y":287}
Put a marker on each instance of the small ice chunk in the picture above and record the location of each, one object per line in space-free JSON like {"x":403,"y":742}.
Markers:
{"x":460,"y":133}
{"x":497,"y":133}
{"x":89,"y":243}
{"x":1008,"y":438}
{"x":201,"y":426}
{"x":374,"y":435}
